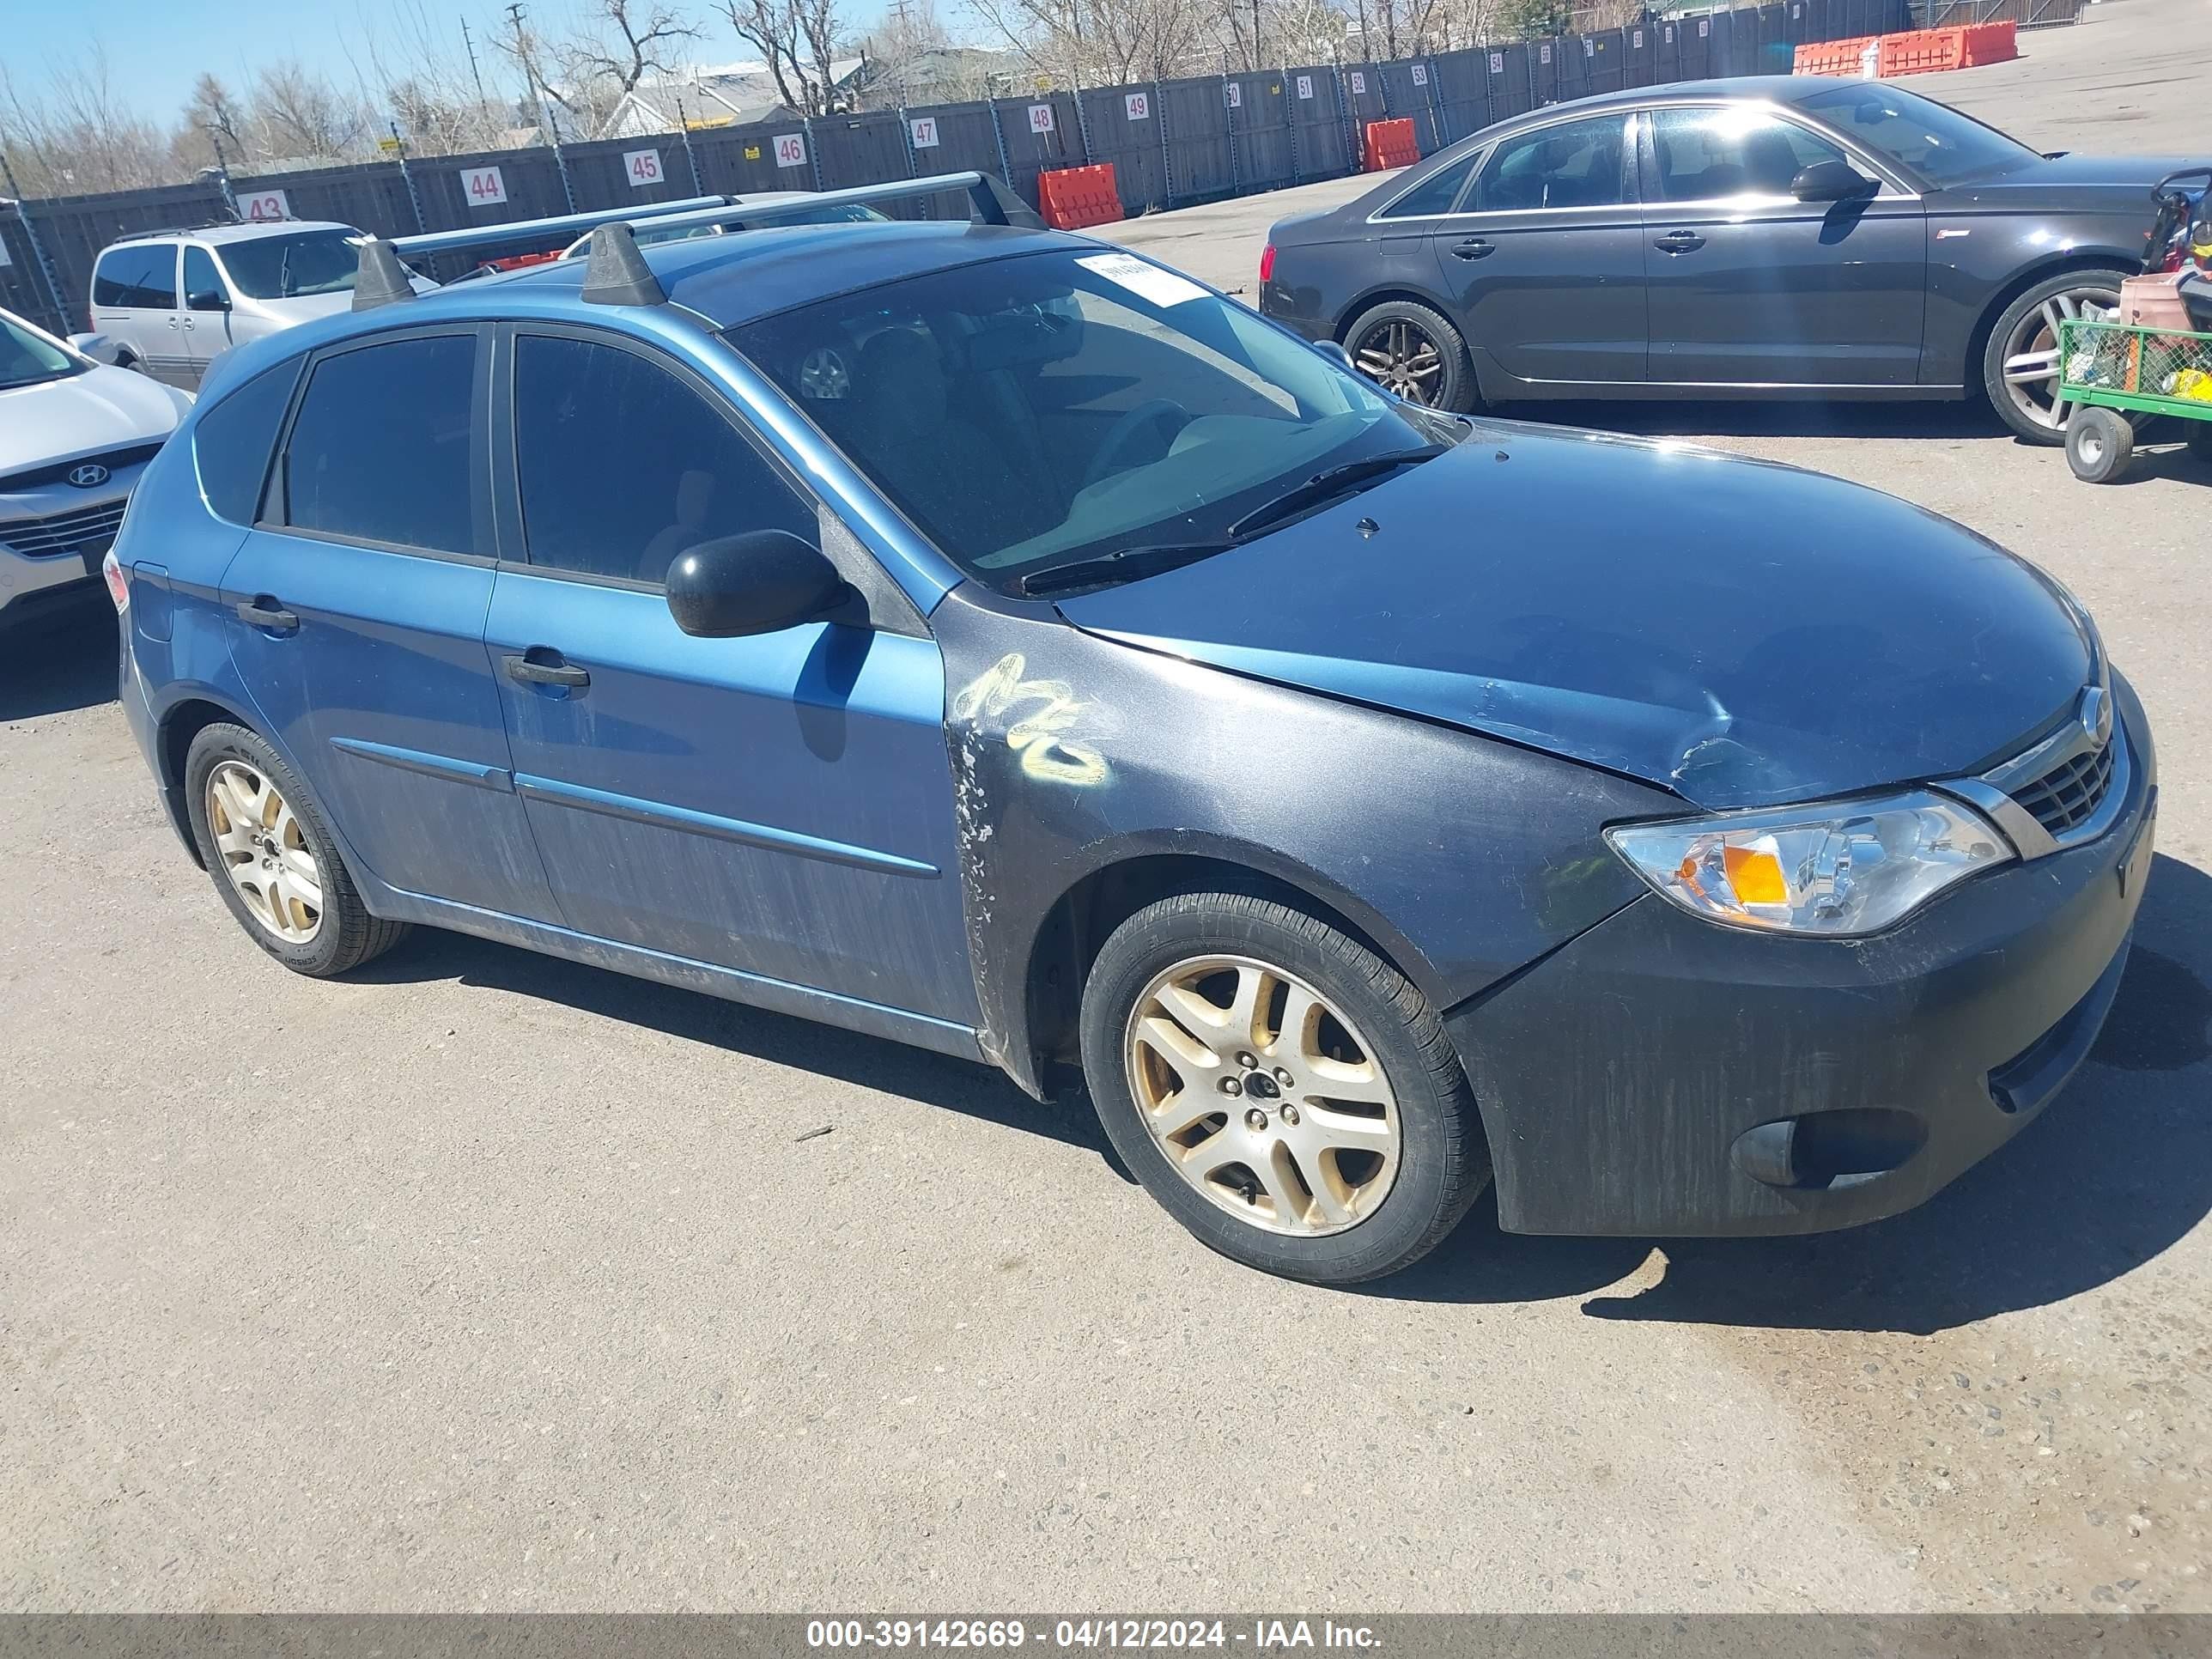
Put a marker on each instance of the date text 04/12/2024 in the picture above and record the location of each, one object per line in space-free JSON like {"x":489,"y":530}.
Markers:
{"x":1262,"y":1635}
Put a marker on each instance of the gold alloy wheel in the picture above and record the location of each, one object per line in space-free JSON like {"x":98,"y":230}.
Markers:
{"x":263,"y":853}
{"x":1263,"y":1094}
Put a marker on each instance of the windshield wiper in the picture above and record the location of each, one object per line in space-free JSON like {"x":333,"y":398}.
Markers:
{"x":1327,"y":484}
{"x":1124,"y":566}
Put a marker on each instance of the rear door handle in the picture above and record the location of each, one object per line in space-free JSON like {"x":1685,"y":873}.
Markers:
{"x":1473,"y":248}
{"x":264,"y":611}
{"x":1679,"y":241}
{"x":540,"y":665}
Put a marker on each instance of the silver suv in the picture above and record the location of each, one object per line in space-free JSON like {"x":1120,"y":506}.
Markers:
{"x":170,"y":300}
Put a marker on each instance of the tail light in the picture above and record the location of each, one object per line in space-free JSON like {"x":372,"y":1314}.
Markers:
{"x":1267,"y":262}
{"x":118,"y":585}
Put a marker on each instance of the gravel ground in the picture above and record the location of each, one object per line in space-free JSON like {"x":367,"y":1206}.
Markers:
{"x":487,"y":1281}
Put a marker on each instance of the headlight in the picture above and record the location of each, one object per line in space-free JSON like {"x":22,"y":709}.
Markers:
{"x":1835,"y":870}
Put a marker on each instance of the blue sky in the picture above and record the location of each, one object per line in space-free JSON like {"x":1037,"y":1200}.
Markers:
{"x":155,"y":48}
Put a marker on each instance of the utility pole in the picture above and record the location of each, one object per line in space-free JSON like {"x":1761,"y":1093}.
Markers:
{"x":468,"y":40}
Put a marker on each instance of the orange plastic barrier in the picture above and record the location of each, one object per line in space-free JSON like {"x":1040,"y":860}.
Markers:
{"x":1990,"y":43}
{"x":1071,"y":197}
{"x":1920,"y":51}
{"x":1831,"y":56}
{"x":1917,"y":51}
{"x":1389,"y":144}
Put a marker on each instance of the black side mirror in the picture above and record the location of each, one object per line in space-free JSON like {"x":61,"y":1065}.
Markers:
{"x":761,"y":582}
{"x":1832,"y":181}
{"x":206,"y":299}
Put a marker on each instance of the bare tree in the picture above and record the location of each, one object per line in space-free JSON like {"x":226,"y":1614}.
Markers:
{"x":300,"y":115}
{"x":1101,"y":42}
{"x":425,"y":74}
{"x":800,"y":40}
{"x":80,"y":135}
{"x":639,"y":45}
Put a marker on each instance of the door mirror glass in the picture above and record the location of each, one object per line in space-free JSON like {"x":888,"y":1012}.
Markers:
{"x":760,"y":582}
{"x":1832,"y":181}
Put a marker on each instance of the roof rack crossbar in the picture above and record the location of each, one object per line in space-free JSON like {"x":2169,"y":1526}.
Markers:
{"x":560,"y":228}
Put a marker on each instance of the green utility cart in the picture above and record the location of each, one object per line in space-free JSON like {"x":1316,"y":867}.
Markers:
{"x":2109,"y":368}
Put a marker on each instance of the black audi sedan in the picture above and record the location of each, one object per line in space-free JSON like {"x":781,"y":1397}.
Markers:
{"x":1770,"y":236}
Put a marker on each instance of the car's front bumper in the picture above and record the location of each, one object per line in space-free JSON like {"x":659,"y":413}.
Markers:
{"x":1625,"y":1079}
{"x":30,"y":582}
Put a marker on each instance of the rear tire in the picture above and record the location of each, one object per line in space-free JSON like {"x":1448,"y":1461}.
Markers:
{"x":272,"y":858}
{"x":2100,"y":443}
{"x":1414,"y":352}
{"x":1285,"y":1093}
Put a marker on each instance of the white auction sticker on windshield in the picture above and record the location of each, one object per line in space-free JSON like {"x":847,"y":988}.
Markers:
{"x":1162,"y":287}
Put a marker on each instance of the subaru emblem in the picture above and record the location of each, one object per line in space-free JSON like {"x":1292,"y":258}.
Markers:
{"x":2097,"y":715}
{"x":85,"y":476}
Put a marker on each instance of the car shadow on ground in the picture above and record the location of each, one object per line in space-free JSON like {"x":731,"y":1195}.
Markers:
{"x":63,"y":658}
{"x":1808,"y":418}
{"x":893,"y":1068}
{"x":2116,"y":1169}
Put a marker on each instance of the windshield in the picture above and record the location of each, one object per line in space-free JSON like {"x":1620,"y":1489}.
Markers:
{"x":27,"y":358}
{"x":1063,"y":406}
{"x":286,"y":267}
{"x":1934,"y":140}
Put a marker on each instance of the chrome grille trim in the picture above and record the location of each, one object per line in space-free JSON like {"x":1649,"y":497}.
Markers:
{"x":2065,"y":790}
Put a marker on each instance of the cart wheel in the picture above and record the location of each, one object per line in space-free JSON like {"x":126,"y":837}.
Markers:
{"x":2199,"y":436}
{"x":2098,"y":445}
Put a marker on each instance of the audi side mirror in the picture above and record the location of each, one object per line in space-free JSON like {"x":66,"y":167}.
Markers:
{"x":1832,"y":181}
{"x":761,"y":582}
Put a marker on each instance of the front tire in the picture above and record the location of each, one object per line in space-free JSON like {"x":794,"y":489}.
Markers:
{"x":272,"y":859}
{"x":2020,"y":361}
{"x":1285,"y":1093}
{"x":1414,"y":353}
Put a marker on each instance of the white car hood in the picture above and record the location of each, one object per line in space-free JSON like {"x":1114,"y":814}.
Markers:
{"x":104,"y":409}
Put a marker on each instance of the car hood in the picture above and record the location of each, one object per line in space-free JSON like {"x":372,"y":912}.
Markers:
{"x":102,"y":409}
{"x":2126,"y":177}
{"x":1742,"y":633}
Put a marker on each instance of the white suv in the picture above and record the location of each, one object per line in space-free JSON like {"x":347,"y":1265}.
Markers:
{"x":171,"y":300}
{"x":74,"y":436}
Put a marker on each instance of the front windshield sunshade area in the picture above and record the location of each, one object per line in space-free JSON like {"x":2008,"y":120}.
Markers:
{"x":26,"y":359}
{"x":290,"y":267}
{"x":1027,"y":413}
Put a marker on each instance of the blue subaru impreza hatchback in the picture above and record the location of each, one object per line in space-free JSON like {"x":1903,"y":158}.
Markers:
{"x":978,"y":636}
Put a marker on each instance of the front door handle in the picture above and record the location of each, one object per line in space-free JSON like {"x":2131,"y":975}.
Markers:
{"x":542,"y":666}
{"x":262,"y":611}
{"x":1473,"y":248}
{"x":1679,"y":241}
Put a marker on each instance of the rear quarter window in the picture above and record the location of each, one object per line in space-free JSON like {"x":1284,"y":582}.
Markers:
{"x":232,"y":440}
{"x":139,"y":279}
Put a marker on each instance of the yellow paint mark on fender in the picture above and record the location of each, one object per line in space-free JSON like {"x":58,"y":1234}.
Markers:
{"x":1036,"y":733}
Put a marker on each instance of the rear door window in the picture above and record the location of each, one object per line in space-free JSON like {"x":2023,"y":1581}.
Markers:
{"x":382,"y":448}
{"x":143,"y":277}
{"x":585,"y":413}
{"x":1575,"y":164}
